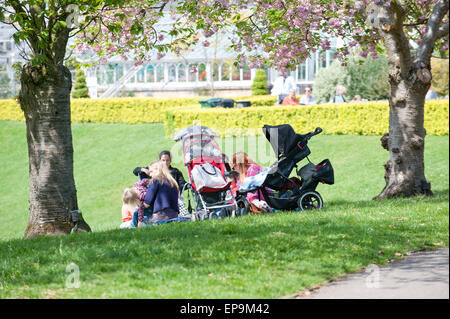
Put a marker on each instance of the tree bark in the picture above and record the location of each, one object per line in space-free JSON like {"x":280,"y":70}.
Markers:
{"x":405,"y":171}
{"x":409,"y":81}
{"x":45,"y":100}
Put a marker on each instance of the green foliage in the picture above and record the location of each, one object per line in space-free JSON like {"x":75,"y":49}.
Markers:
{"x":5,"y":91}
{"x":365,"y":77}
{"x":440,"y":72}
{"x":80,"y":88}
{"x":124,"y":110}
{"x":259,"y":85}
{"x":264,"y":256}
{"x":365,"y":118}
{"x":72,"y":63}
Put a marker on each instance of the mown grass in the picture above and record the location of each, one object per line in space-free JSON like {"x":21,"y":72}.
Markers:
{"x":265,"y":256}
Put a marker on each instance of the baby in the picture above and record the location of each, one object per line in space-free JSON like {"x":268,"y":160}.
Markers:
{"x":141,"y":188}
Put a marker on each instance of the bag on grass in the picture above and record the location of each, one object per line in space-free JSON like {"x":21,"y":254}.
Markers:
{"x":182,"y":211}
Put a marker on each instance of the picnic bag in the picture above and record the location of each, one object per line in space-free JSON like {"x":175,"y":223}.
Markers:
{"x":207,"y":175}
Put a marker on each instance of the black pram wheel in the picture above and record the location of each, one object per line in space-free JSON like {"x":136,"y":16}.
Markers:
{"x":243,"y":206}
{"x":310,"y":200}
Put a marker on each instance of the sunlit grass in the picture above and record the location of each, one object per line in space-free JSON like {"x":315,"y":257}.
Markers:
{"x":264,"y":256}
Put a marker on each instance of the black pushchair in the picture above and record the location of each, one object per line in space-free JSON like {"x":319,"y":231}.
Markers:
{"x":280,"y":191}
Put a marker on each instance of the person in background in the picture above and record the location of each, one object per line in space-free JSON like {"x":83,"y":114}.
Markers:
{"x":357,"y":98}
{"x":291,"y":99}
{"x":339,"y":96}
{"x":431,"y":95}
{"x":308,"y":99}
{"x":165,"y":157}
{"x":282,"y":87}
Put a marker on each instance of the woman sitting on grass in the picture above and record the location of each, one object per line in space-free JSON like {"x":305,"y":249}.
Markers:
{"x":246,"y":167}
{"x":162,"y":194}
{"x":166,"y":157}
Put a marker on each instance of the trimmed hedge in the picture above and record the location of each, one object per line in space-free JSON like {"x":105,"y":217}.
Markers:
{"x":114,"y":110}
{"x":371,"y":118}
{"x":124,"y":110}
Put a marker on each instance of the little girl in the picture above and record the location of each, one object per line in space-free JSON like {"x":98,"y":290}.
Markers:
{"x":130,"y":204}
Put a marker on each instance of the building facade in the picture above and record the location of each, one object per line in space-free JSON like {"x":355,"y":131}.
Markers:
{"x":201,"y":71}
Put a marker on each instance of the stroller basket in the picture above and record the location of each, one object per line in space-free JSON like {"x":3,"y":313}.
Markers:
{"x":324,"y":172}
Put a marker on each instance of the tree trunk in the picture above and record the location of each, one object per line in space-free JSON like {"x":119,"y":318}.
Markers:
{"x":405,"y":142}
{"x":45,"y":100}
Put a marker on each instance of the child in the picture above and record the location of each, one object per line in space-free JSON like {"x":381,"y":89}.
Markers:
{"x":130,"y":203}
{"x":141,"y":188}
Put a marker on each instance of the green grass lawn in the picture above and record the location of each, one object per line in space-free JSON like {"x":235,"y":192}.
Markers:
{"x":265,"y":256}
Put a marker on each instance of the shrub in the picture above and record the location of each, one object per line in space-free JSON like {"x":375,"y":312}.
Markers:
{"x":124,"y":110}
{"x":365,"y":77}
{"x":259,"y":85}
{"x":370,"y":118}
{"x":80,"y":89}
{"x":439,"y":70}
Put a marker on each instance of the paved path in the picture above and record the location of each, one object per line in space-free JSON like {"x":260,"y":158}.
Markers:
{"x":420,"y":276}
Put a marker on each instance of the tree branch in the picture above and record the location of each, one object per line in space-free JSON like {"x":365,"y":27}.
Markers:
{"x":92,"y":19}
{"x":400,"y":14}
{"x":394,"y":38}
{"x":443,"y":31}
{"x":432,"y":30}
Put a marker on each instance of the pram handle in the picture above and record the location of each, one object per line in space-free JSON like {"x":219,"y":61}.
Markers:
{"x":318,"y":130}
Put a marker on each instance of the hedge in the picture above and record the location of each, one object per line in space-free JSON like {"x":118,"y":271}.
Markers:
{"x":370,"y":118}
{"x":124,"y":110}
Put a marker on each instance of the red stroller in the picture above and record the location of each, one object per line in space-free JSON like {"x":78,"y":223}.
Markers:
{"x":206,"y":166}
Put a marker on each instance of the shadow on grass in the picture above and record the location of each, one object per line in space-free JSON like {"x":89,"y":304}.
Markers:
{"x":254,"y":249}
{"x":438,"y":196}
